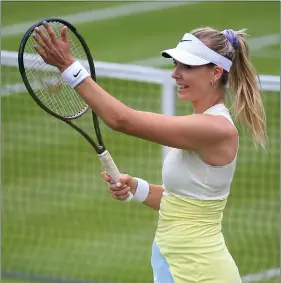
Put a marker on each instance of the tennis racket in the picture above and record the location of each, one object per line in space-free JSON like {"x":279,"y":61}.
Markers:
{"x":46,"y":86}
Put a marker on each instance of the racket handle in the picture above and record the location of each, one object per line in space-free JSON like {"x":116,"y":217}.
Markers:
{"x":111,"y":168}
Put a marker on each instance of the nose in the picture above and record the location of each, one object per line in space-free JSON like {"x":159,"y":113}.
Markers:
{"x":176,"y":74}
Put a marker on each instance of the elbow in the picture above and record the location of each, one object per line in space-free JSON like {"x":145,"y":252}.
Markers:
{"x":114,"y":124}
{"x":120,"y":122}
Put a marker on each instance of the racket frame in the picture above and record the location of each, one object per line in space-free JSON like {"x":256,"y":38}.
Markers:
{"x":99,"y":148}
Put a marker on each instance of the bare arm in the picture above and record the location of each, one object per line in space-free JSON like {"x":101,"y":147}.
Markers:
{"x":154,"y":197}
{"x":185,"y":132}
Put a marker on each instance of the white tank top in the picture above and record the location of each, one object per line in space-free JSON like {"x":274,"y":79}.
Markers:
{"x":185,"y":174}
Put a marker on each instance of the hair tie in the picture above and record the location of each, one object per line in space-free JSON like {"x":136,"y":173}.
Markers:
{"x":231,"y":37}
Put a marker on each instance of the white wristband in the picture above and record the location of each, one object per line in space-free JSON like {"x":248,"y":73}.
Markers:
{"x":75,"y":74}
{"x":142,"y":190}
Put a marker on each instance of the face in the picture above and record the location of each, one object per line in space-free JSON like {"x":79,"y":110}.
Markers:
{"x":194,"y":82}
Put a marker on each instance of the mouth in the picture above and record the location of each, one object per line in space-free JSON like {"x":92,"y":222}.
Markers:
{"x":180,"y":86}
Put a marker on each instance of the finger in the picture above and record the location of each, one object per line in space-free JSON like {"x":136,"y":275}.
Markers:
{"x":40,"y":43}
{"x":105,"y":176}
{"x":40,"y":51}
{"x":121,"y":180}
{"x":113,"y":187}
{"x":123,"y":197}
{"x":64,"y":34}
{"x":50,"y":31}
{"x":42,"y":37}
{"x":123,"y":192}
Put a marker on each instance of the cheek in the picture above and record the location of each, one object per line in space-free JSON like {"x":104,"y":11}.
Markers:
{"x":205,"y":85}
{"x":201,"y":82}
{"x":198,"y":83}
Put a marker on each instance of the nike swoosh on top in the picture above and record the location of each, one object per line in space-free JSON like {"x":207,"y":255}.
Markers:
{"x":75,"y":75}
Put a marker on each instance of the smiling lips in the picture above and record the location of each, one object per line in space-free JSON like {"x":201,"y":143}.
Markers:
{"x":182,"y":86}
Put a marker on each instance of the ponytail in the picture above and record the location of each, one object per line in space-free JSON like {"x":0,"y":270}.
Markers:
{"x":248,"y":107}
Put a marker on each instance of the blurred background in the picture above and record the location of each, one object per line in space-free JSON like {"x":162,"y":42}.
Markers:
{"x":58,"y":222}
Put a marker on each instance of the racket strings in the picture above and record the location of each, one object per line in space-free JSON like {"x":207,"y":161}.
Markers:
{"x":47,"y":82}
{"x":42,"y":79}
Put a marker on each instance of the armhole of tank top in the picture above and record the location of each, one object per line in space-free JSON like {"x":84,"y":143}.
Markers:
{"x":228,"y":117}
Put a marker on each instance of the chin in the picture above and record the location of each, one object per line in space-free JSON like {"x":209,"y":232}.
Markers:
{"x":184,"y":95}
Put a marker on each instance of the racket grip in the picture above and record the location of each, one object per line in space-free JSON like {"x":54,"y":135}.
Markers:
{"x":111,"y":168}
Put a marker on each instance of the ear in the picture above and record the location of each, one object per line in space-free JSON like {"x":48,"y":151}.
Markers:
{"x":217,"y":73}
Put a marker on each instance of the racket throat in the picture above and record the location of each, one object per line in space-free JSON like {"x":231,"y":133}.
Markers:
{"x":100,"y":150}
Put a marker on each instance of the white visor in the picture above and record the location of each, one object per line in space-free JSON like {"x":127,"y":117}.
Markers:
{"x":191,"y":51}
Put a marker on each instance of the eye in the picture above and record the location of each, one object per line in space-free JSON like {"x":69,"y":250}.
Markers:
{"x":174,"y":62}
{"x":187,"y":67}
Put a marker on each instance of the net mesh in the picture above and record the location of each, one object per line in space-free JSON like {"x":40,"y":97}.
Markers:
{"x":59,"y":223}
{"x":45,"y":80}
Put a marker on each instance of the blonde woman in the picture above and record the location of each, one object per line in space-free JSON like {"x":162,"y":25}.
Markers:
{"x":197,"y":172}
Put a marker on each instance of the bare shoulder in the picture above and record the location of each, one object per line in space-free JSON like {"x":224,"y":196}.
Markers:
{"x":217,"y":123}
{"x":229,"y":128}
{"x":225,"y":150}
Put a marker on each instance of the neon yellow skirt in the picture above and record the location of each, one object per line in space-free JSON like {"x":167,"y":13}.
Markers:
{"x":189,"y":237}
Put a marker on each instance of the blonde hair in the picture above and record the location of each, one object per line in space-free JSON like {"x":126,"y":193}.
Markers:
{"x":242,"y":79}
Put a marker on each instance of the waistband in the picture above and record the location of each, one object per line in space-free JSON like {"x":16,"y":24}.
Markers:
{"x":187,"y":218}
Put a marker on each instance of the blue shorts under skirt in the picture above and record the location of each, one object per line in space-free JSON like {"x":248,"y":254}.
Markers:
{"x":160,"y":267}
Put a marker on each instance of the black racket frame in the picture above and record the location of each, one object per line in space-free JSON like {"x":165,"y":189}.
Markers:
{"x":100,"y":147}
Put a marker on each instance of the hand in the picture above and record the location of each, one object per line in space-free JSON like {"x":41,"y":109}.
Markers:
{"x":122,"y":186}
{"x":54,"y":51}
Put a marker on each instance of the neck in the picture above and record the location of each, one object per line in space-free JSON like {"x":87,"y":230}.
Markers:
{"x":202,"y":105}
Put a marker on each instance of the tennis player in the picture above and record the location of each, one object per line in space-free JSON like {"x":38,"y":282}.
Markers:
{"x":189,"y":246}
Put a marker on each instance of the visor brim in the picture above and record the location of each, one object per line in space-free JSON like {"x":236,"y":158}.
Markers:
{"x":184,"y":57}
